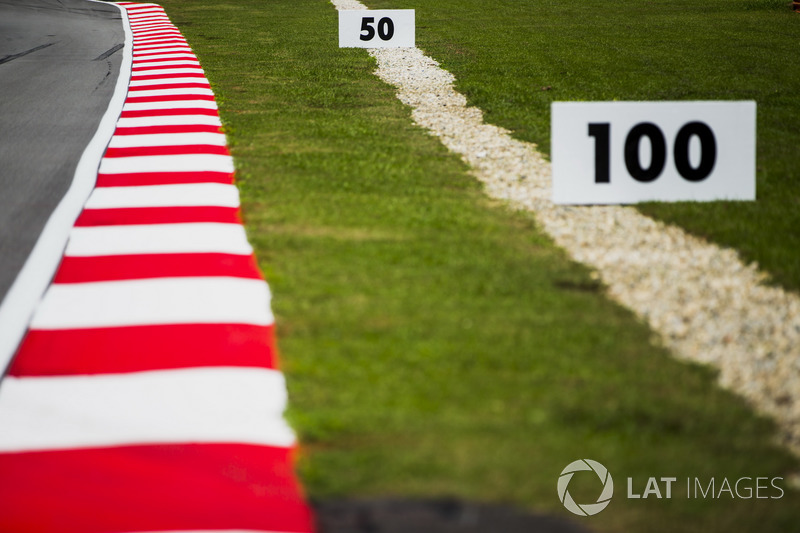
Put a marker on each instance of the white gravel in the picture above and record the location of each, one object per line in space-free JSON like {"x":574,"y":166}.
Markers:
{"x":704,"y":302}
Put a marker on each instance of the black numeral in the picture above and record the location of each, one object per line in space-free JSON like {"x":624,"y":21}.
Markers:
{"x":602,"y":167}
{"x":385,"y":28}
{"x":658,"y":150}
{"x":365,"y":26}
{"x":708,"y":151}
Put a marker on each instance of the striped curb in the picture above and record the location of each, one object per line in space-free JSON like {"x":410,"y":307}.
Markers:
{"x":145,"y":395}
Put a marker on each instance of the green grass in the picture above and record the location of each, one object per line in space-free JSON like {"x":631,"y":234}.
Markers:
{"x":434,"y":342}
{"x":513,"y":59}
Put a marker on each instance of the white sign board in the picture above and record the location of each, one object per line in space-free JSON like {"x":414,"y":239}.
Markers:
{"x":628,"y":152}
{"x":379,"y":28}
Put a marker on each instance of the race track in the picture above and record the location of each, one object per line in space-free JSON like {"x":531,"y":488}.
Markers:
{"x":59,"y":63}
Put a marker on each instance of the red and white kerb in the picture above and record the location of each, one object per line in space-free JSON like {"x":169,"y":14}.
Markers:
{"x":145,"y":396}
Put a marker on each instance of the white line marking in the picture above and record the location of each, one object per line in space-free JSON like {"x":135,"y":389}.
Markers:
{"x":191,"y":194}
{"x":221,"y":404}
{"x":187,"y":300}
{"x":134,"y":239}
{"x":32,"y":280}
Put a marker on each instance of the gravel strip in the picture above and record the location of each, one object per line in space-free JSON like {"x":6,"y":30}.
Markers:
{"x":705,"y":303}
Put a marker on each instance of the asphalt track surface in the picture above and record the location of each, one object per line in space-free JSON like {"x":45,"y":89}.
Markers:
{"x":59,"y":63}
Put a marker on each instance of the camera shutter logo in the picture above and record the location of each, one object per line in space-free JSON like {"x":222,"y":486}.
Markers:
{"x":585,"y":509}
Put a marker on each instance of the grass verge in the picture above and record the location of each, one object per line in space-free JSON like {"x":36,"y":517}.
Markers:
{"x":435,"y":343}
{"x":517,"y":57}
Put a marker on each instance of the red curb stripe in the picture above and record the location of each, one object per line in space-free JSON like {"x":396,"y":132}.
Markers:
{"x":142,"y":348}
{"x":167,"y":150}
{"x":151,"y":130}
{"x":149,"y":266}
{"x":152,"y":488}
{"x":168,"y":98}
{"x":149,"y":77}
{"x":157,"y":215}
{"x":162,"y":178}
{"x":169,"y":112}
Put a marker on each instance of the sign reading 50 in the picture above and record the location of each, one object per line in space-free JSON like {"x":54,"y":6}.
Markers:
{"x":380,"y":28}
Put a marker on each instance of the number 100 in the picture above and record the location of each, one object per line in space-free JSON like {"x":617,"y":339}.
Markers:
{"x":658,"y":150}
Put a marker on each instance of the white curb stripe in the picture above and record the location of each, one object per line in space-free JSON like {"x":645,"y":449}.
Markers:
{"x":189,"y":300}
{"x":168,"y":71}
{"x":160,"y":44}
{"x":188,"y":92}
{"x":138,"y":29}
{"x":153,"y":39}
{"x":155,"y":50}
{"x":178,"y":104}
{"x":167,"y":163}
{"x":169,"y":120}
{"x":181,"y":195}
{"x":134,"y":239}
{"x":143,"y":34}
{"x":166,"y":139}
{"x":189,"y":63}
{"x":186,"y":56}
{"x":150,"y":24}
{"x":222,"y":404}
{"x":167,"y":81}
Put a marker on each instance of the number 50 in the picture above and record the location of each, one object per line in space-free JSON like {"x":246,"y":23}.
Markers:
{"x":658,"y":144}
{"x":385,"y":29}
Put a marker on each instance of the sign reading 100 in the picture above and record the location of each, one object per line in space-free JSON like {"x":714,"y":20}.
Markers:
{"x":628,"y":152}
